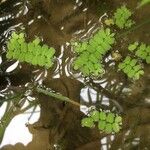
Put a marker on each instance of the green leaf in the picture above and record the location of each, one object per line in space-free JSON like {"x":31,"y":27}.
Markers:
{"x":22,"y":57}
{"x":105,"y":46}
{"x":127,"y":69}
{"x":34,"y":61}
{"x":16,"y":54}
{"x":95,"y":115}
{"x":30,"y":52}
{"x":21,"y":35}
{"x":48,"y":64}
{"x":133,"y":62}
{"x":116,"y":127}
{"x":131,"y":73}
{"x":121,"y":66}
{"x":24,"y":47}
{"x":127,"y":60}
{"x":140,"y":72}
{"x":36,"y":41}
{"x":108,"y":128}
{"x":42,"y":60}
{"x":138,"y":53}
{"x":133,"y":46}
{"x":90,"y":49}
{"x":137,"y":68}
{"x":30,"y":47}
{"x":110,"y":117}
{"x":148,"y":59}
{"x":118,"y":119}
{"x":9,"y":55}
{"x":14,"y":36}
{"x":102,"y":115}
{"x":90,"y":66}
{"x":87,"y":122}
{"x":108,"y":31}
{"x":122,"y":17}
{"x":93,"y":59}
{"x":148,"y":50}
{"x":93,"y":43}
{"x":101,"y":125}
{"x":90,"y":52}
{"x":85,"y":71}
{"x":129,"y":23}
{"x":75,"y":66}
{"x":28,"y":57}
{"x":143,"y":55}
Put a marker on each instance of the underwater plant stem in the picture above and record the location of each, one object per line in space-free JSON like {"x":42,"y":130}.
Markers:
{"x":57,"y":96}
{"x":134,"y":28}
{"x":10,"y":114}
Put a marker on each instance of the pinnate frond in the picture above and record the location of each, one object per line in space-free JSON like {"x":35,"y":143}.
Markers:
{"x":106,"y":121}
{"x":31,"y":52}
{"x":90,"y":53}
{"x":122,"y":17}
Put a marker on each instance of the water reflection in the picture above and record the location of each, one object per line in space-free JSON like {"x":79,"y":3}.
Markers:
{"x":58,"y":126}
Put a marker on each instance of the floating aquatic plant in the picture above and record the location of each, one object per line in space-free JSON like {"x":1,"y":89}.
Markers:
{"x":141,"y":50}
{"x":122,"y":17}
{"x":107,"y":122}
{"x":90,"y":53}
{"x":131,"y":67}
{"x":133,"y":46}
{"x":31,"y":52}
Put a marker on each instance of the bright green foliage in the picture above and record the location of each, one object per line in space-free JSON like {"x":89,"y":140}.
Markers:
{"x":130,"y":67}
{"x":87,"y":122}
{"x":122,"y":17}
{"x":142,"y":51}
{"x":133,"y":46}
{"x":102,"y":115}
{"x":90,"y":53}
{"x":143,"y":2}
{"x":107,"y":122}
{"x":31,"y":52}
{"x":95,"y":115}
{"x":110,"y":117}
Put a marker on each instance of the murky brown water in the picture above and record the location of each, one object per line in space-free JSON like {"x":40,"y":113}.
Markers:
{"x":57,"y":22}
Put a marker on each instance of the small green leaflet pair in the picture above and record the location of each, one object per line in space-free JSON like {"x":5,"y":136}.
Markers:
{"x":121,"y":18}
{"x":90,"y":53}
{"x":31,"y":52}
{"x":141,"y":50}
{"x":106,"y":121}
{"x":143,"y":2}
{"x":131,"y":67}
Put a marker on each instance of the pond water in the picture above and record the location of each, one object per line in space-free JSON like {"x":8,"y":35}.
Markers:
{"x":38,"y":122}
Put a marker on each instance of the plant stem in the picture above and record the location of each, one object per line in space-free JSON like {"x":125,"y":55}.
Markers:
{"x":134,"y":28}
{"x":57,"y":96}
